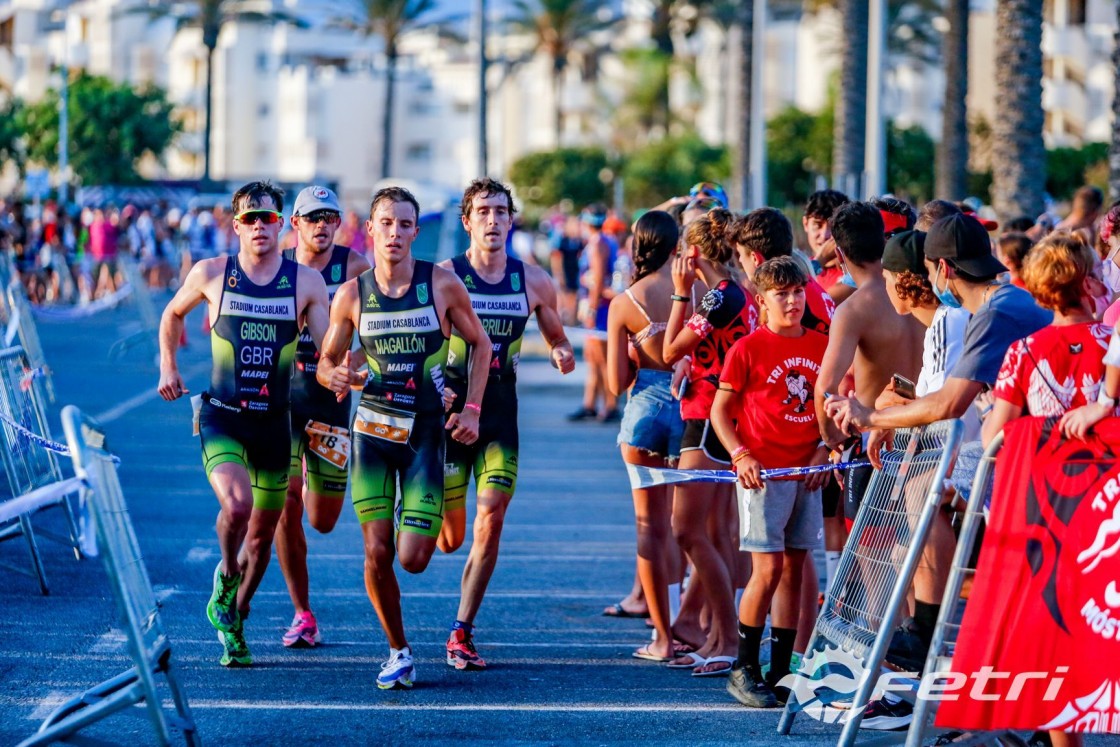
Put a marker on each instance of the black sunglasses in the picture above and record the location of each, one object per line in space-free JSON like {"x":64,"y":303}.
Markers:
{"x":322,"y":216}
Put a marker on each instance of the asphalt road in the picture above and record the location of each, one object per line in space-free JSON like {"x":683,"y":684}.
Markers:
{"x":559,"y":672}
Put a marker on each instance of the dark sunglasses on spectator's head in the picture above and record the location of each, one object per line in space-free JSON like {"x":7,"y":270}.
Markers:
{"x":321,"y":216}
{"x":251,"y":216}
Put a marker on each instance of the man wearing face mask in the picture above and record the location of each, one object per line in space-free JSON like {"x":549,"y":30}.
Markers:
{"x":963,"y":272}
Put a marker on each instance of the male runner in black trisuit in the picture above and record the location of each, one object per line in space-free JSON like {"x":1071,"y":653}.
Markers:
{"x":504,"y":292}
{"x":320,"y":435}
{"x":257,"y":301}
{"x":403,"y":309}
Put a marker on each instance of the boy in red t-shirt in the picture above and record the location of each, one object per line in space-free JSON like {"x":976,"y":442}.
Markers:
{"x":764,"y":415}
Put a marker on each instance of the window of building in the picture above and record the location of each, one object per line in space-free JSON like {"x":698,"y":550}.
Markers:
{"x":262,"y":110}
{"x":262,"y":62}
{"x":7,"y":32}
{"x":419,"y":152}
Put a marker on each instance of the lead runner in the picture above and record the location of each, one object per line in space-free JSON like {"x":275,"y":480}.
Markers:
{"x":258,"y":300}
{"x":504,"y":293}
{"x":403,"y":309}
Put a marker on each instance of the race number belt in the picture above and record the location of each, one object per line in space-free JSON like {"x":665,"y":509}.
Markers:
{"x":331,"y":442}
{"x":395,"y":427}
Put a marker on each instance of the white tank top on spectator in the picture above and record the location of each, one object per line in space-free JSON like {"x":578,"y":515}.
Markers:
{"x":942,"y":347}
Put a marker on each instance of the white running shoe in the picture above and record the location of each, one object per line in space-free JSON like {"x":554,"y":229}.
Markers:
{"x":398,"y":671}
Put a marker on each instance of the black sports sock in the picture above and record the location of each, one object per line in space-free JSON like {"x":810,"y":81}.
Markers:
{"x":925,"y":619}
{"x":781,"y":651}
{"x":460,"y":625}
{"x":750,"y":641}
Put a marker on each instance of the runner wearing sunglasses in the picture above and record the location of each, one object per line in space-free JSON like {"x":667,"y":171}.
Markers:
{"x":404,"y":310}
{"x":320,"y":435}
{"x":257,"y":302}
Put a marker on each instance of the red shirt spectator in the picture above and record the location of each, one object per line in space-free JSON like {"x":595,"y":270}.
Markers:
{"x":775,"y":376}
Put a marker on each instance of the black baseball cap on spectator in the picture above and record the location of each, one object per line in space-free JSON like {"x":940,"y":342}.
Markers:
{"x":905,"y":252}
{"x":964,"y":243}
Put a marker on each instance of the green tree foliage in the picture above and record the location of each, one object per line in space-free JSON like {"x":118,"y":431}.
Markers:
{"x":910,"y":160}
{"x":111,"y":127}
{"x":799,"y":149}
{"x":1066,"y":168}
{"x":544,"y":179}
{"x":11,"y":144}
{"x":669,"y":167}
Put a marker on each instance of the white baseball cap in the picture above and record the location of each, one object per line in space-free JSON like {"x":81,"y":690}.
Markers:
{"x":315,"y":198}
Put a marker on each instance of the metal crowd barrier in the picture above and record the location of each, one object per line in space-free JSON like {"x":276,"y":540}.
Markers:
{"x":28,"y":466}
{"x":948,"y":627}
{"x":858,"y":618}
{"x":148,"y":644}
{"x":23,"y":322}
{"x":148,"y":334}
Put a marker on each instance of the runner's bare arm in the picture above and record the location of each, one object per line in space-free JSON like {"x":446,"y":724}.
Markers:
{"x":620,"y":367}
{"x":314,"y":308}
{"x":464,"y":425}
{"x":843,"y":338}
{"x":334,"y":371}
{"x":542,"y":298}
{"x":195,"y":290}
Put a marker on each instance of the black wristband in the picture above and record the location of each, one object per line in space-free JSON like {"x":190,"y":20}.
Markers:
{"x":676,"y":297}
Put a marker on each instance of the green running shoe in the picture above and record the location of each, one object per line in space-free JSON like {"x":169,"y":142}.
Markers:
{"x":222,"y":608}
{"x":235,"y":651}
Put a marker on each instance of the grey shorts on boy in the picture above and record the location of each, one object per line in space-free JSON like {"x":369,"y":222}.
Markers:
{"x":781,"y":515}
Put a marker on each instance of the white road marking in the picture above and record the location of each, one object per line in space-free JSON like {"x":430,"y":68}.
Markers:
{"x":120,"y":410}
{"x":109,"y":643}
{"x":201,"y":554}
{"x":50,"y":701}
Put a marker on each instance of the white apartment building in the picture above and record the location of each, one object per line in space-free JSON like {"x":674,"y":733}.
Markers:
{"x":303,"y":104}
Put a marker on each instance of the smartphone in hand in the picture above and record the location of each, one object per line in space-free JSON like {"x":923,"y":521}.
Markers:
{"x":903,"y":387}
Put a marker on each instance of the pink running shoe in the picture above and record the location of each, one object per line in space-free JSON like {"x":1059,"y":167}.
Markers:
{"x":304,"y":631}
{"x":461,"y":652}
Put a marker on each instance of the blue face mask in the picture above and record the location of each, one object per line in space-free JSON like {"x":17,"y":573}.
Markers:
{"x":846,"y":278}
{"x":944,"y":295}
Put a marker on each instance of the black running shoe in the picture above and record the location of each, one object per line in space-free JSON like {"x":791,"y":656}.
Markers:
{"x":887,"y":715}
{"x":611,"y":416}
{"x":749,"y":688}
{"x":907,"y":651}
{"x":583,"y":413}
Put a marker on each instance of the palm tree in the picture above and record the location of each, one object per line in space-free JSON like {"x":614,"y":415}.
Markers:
{"x":211,"y":16}
{"x":1018,"y":153}
{"x":388,"y":19}
{"x":910,"y":34}
{"x":557,"y":25}
{"x":952,"y":156}
{"x":851,"y":104}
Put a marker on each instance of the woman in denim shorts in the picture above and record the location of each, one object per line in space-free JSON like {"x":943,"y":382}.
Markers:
{"x":651,"y":426}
